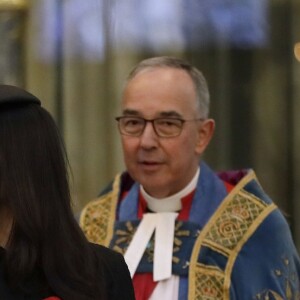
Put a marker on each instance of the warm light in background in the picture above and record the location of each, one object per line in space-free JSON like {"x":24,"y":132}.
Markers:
{"x":297,"y":51}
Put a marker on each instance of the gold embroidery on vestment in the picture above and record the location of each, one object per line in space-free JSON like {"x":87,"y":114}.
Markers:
{"x":209,"y":283}
{"x":228,"y":229}
{"x":97,"y":218}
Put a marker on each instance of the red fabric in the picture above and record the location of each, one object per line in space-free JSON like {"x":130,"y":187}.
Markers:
{"x":186,"y":207}
{"x":52,"y":298}
{"x":143,"y":285}
{"x":232,"y":177}
{"x":228,"y":186}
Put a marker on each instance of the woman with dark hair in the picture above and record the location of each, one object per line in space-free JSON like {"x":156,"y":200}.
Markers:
{"x":43,"y":253}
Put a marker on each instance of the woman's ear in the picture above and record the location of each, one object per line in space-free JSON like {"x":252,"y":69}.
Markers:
{"x":205,"y":132}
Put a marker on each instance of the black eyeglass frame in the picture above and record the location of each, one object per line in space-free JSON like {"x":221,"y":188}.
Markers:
{"x":152,"y":121}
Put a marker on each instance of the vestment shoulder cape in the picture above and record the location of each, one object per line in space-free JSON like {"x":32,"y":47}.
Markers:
{"x":234,"y":246}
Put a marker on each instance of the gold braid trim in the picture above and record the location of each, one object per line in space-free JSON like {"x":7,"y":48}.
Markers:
{"x":237,"y":218}
{"x":98,"y":216}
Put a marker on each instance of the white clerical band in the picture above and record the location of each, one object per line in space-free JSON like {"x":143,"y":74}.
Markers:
{"x":163,"y":224}
{"x":166,"y":289}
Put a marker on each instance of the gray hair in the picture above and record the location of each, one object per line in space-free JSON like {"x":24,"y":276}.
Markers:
{"x":197,"y":77}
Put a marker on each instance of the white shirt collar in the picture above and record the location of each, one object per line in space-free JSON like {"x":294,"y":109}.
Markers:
{"x":171,"y":203}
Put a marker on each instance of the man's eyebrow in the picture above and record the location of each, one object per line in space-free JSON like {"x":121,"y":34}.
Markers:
{"x":163,"y":114}
{"x":170,"y":114}
{"x":130,"y":112}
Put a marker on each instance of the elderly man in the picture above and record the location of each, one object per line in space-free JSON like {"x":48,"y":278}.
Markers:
{"x":185,"y":231}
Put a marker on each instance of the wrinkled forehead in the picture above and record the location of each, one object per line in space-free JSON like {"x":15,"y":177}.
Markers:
{"x":152,"y":79}
{"x":158,"y":68}
{"x":160,"y":91}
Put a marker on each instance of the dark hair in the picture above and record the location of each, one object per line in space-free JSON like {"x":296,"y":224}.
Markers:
{"x":196,"y":75}
{"x":34,"y":187}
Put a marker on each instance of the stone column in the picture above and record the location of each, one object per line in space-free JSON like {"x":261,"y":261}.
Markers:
{"x":12,"y":44}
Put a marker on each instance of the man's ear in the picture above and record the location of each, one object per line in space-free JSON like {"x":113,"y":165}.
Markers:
{"x":205,"y":132}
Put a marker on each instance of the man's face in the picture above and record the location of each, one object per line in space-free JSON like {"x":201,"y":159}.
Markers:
{"x":163,"y":166}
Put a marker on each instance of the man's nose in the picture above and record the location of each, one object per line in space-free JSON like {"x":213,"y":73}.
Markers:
{"x":149,"y":137}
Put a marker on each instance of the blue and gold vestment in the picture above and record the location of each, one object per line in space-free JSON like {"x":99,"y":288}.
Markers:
{"x":234,"y":245}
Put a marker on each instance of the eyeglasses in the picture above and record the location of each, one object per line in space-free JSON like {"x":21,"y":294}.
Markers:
{"x":163,"y":127}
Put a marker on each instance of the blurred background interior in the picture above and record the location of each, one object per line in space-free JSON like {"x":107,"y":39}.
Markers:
{"x":75,"y":55}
